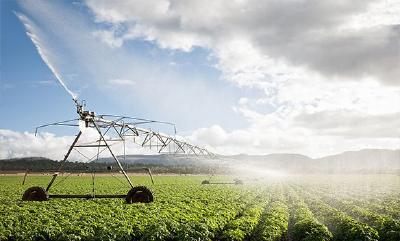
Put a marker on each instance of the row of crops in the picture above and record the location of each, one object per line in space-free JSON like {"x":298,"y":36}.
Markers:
{"x":292,"y":208}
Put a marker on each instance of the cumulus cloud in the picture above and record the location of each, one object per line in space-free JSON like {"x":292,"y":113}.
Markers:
{"x":316,"y":135}
{"x":348,"y":123}
{"x":324,"y":36}
{"x":327,"y":70}
{"x":14,"y":144}
{"x":315,"y":118}
{"x":329,"y":74}
{"x":21,"y":144}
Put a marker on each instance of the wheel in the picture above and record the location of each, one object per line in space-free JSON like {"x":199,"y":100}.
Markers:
{"x":35,"y":194}
{"x":139,"y":194}
{"x":205,"y":182}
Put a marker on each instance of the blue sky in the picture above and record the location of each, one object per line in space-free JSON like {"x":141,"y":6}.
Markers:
{"x":25,"y":90}
{"x":32,"y":96}
{"x":235,"y":76}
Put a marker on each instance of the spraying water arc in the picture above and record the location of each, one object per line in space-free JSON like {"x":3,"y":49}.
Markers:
{"x":30,"y":31}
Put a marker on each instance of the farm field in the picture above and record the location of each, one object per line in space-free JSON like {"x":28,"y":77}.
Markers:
{"x":312,"y":207}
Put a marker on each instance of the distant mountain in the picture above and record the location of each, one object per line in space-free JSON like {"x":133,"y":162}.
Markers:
{"x":272,"y":157}
{"x":364,"y":161}
{"x":27,"y":159}
{"x":38,"y":164}
{"x":162,"y":159}
{"x":280,"y":161}
{"x":367,"y":160}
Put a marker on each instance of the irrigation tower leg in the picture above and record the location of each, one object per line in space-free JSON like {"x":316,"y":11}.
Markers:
{"x":63,"y":161}
{"x":26,"y":174}
{"x":112,"y":154}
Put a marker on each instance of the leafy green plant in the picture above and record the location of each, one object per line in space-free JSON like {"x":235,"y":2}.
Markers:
{"x":185,"y":210}
{"x":273,"y":223}
{"x":305,"y":227}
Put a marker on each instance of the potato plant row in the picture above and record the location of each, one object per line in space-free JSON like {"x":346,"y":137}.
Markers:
{"x":304,"y":225}
{"x":386,"y":204}
{"x":275,"y":210}
{"x":274,"y":220}
{"x":342,"y":226}
{"x":242,"y":226}
{"x":388,"y":207}
{"x":188,"y":211}
{"x":387,"y":227}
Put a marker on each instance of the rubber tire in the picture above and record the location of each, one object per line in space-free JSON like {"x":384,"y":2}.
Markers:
{"x":205,"y":182}
{"x":139,"y":194}
{"x":35,"y":194}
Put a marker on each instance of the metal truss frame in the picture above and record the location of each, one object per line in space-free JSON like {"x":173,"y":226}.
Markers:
{"x":113,"y":129}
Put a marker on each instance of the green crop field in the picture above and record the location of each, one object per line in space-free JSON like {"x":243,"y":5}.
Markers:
{"x":329,"y":207}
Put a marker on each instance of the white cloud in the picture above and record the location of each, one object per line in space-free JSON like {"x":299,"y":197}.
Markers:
{"x":302,"y":33}
{"x":15,"y":144}
{"x":319,"y":64}
{"x":314,"y":137}
{"x":312,"y":116}
{"x":379,"y":13}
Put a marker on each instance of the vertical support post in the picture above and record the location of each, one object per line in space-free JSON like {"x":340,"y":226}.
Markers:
{"x":63,"y":161}
{"x":26,"y":174}
{"x":112,"y":154}
{"x":93,"y":177}
{"x":125,"y":156}
{"x":151,"y":176}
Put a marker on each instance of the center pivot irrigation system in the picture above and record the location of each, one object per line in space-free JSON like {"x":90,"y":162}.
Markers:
{"x":113,"y":129}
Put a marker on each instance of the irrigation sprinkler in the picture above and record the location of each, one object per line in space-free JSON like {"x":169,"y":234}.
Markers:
{"x":236,"y":181}
{"x":112,"y":129}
